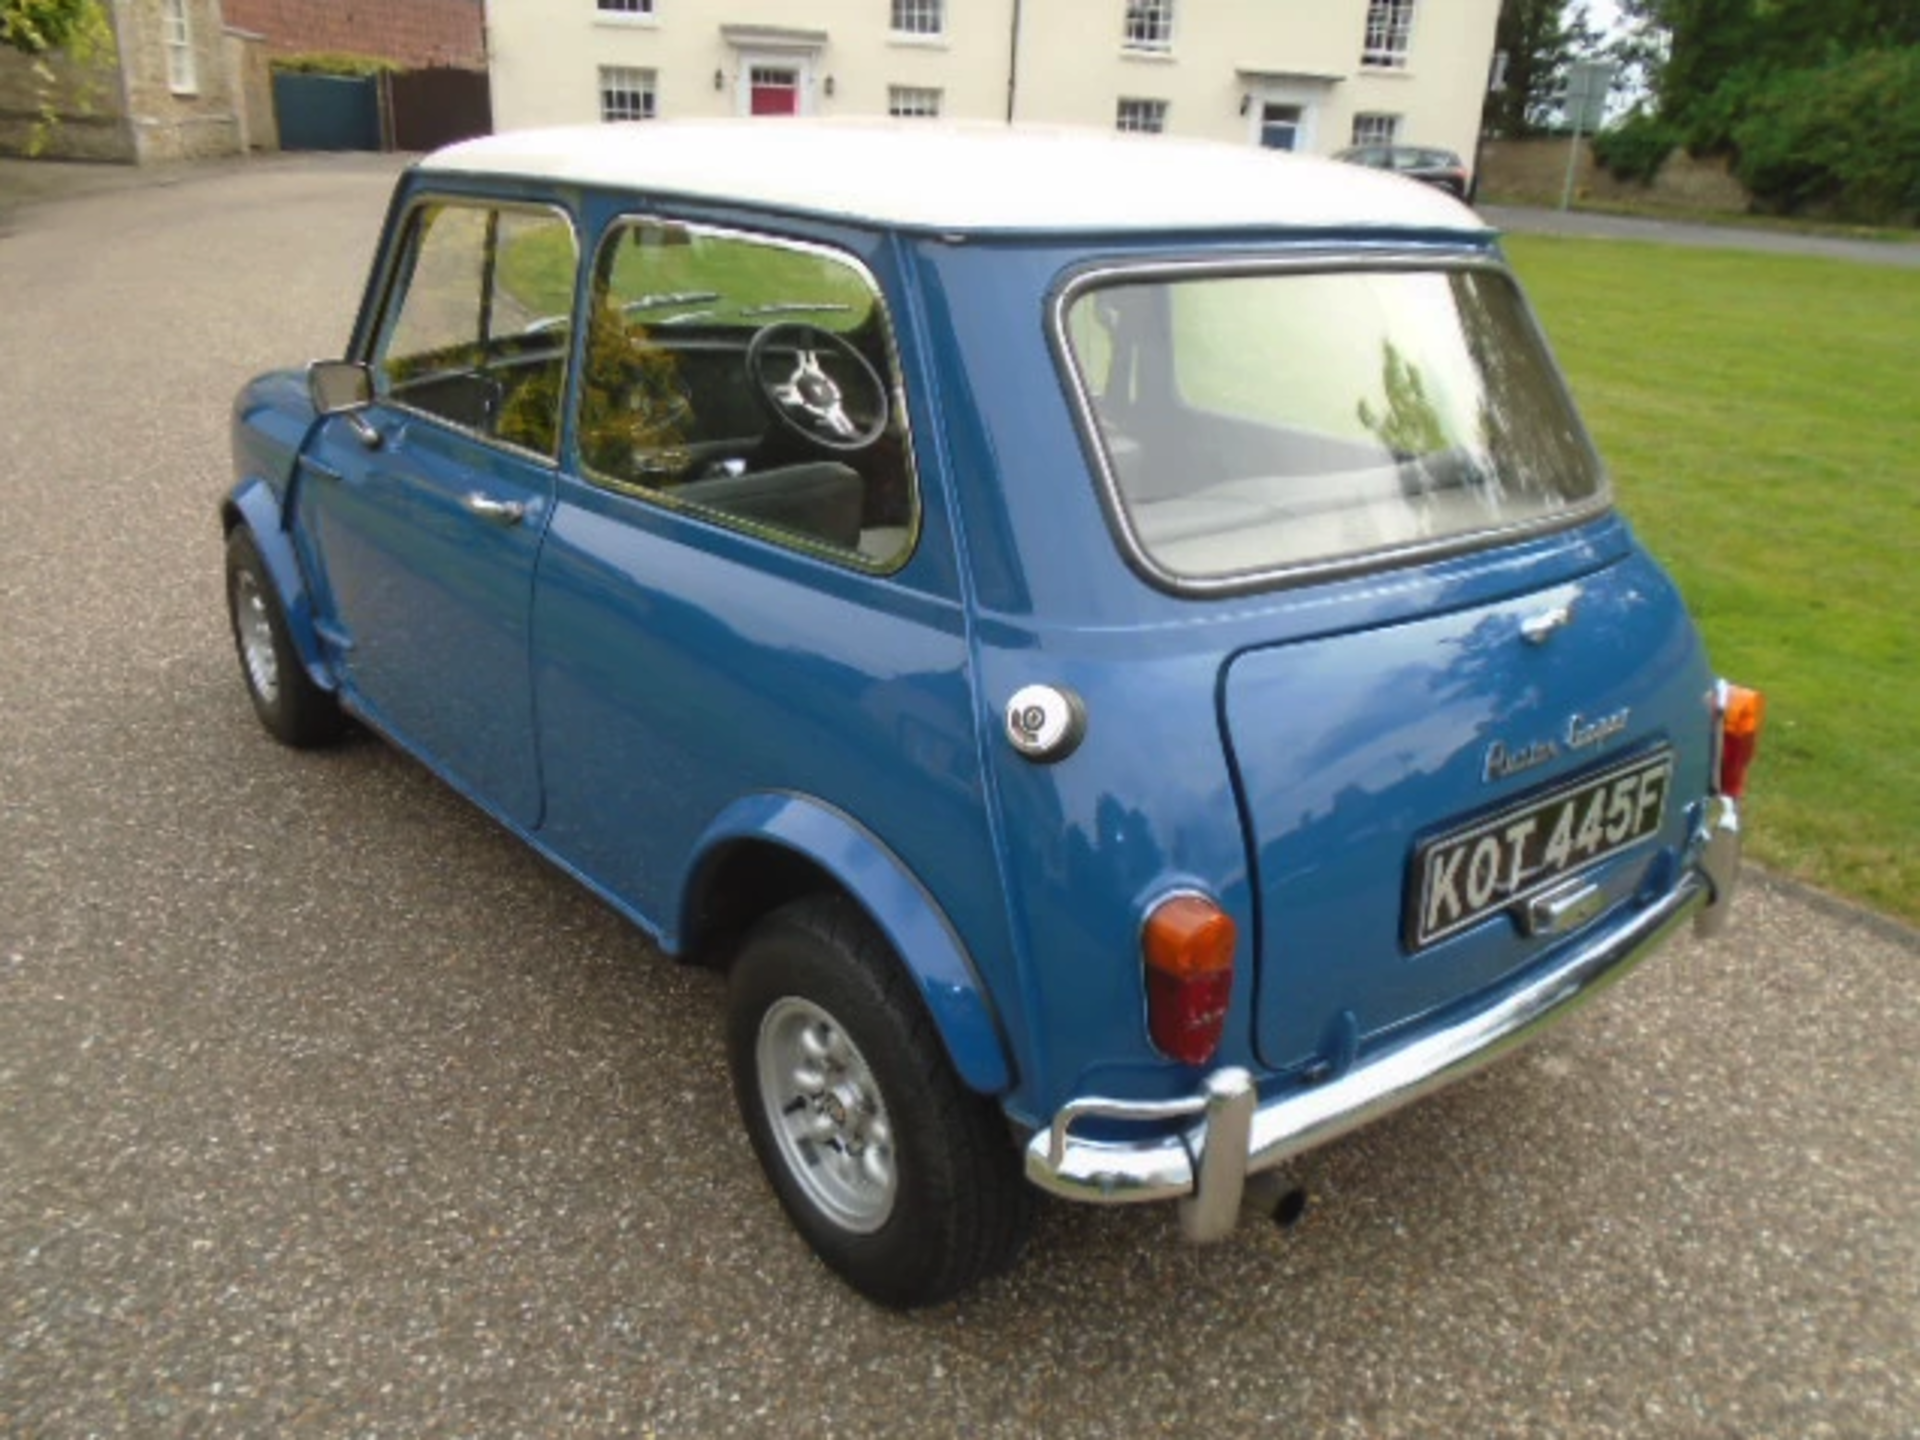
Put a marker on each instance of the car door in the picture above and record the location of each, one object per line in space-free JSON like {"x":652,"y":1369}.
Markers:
{"x":735,"y":595}
{"x":421,"y":517}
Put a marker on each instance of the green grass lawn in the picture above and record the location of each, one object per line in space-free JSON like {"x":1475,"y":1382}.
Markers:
{"x":1761,"y":417}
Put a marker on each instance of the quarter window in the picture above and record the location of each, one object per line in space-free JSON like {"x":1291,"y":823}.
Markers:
{"x":919,"y":17}
{"x":1146,"y":116}
{"x":1389,"y":27}
{"x":913,"y":102}
{"x":626,"y":93}
{"x":177,"y":32}
{"x":750,"y":381}
{"x":1149,"y":25}
{"x":1375,"y":129}
{"x":476,"y":334}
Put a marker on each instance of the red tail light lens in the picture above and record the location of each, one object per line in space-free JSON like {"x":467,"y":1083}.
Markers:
{"x":1741,"y":713}
{"x":1188,"y":943}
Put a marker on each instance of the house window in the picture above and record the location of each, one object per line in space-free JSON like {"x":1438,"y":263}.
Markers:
{"x":1149,"y":25}
{"x":626,"y":7}
{"x":919,"y":17}
{"x":913,"y":102}
{"x":1147,"y":116}
{"x":626,"y":93}
{"x":176,"y":32}
{"x":1375,"y":129}
{"x":1389,"y":23}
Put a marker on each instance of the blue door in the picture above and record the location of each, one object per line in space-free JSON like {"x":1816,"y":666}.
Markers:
{"x":421,"y":519}
{"x":326,"y":112}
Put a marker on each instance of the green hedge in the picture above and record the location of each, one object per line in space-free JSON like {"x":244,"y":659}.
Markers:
{"x":1637,"y":147}
{"x":1843,"y":139}
{"x":334,"y":63}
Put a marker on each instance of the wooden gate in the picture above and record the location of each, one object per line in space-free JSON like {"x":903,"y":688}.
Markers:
{"x":431,"y":108}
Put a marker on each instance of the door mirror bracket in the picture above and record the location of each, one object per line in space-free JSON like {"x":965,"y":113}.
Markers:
{"x":344,"y":388}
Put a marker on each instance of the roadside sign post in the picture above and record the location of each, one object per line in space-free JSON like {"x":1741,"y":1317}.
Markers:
{"x":1588,"y":83}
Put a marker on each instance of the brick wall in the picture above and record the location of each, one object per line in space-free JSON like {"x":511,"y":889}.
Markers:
{"x":415,"y":33}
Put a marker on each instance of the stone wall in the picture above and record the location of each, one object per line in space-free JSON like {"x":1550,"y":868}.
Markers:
{"x":416,"y":33}
{"x":188,"y":124}
{"x":1534,"y":172}
{"x":253,"y":75}
{"x":127,"y":109}
{"x":89,"y":103}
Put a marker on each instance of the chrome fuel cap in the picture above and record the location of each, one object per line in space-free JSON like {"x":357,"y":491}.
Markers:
{"x":1045,"y":722}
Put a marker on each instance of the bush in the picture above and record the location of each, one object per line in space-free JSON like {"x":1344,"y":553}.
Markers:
{"x":1636,"y":148}
{"x":334,"y":63}
{"x":1843,"y":139}
{"x":34,"y":27}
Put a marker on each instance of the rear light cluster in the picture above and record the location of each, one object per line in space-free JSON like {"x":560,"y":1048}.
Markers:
{"x":1188,"y":943}
{"x":1737,"y":717}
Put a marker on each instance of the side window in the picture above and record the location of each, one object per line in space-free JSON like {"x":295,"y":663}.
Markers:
{"x":750,"y":379}
{"x":475,"y":332}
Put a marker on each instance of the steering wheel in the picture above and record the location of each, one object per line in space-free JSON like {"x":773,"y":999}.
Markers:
{"x":810,"y":402}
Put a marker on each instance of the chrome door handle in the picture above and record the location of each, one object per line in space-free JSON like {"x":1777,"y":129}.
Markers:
{"x":501,"y":512}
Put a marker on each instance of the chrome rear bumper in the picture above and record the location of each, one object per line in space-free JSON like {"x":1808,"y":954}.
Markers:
{"x":1204,"y":1164}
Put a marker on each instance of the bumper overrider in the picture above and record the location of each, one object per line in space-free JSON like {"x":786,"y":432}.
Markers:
{"x":1204,"y":1146}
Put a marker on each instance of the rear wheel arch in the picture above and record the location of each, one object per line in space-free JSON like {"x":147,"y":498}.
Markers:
{"x":767,"y":851}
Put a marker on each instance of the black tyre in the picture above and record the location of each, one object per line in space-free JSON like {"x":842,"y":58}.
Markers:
{"x":295,"y":710}
{"x":903,"y":1180}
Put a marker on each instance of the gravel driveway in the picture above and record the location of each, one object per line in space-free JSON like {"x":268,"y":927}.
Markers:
{"x":327,"y":1109}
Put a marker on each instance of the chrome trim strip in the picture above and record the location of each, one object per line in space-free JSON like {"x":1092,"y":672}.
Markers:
{"x":1205,"y":1165}
{"x":1719,"y":840}
{"x":1317,"y":260}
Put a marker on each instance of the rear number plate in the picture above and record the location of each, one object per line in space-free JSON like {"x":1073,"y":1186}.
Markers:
{"x":1462,"y":877}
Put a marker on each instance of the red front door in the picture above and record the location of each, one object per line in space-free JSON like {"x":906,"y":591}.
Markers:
{"x":775,"y":91}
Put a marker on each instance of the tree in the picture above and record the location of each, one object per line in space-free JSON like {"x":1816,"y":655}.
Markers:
{"x":1539,"y":38}
{"x":1813,"y":100}
{"x":35,"y":27}
{"x":1691,"y":49}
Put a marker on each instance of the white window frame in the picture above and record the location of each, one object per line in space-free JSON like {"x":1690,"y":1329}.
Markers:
{"x":1389,"y":34}
{"x":1147,"y":25}
{"x":1140,"y":115}
{"x":620,"y":82}
{"x":1376,"y":127}
{"x":917,"y":20}
{"x":176,"y":34}
{"x":915,"y":102}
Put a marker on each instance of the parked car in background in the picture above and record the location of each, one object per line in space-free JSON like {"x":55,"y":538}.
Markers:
{"x":1417,"y":162}
{"x":1126,"y":655}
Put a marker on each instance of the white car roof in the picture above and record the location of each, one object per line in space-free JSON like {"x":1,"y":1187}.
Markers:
{"x":959,"y":177}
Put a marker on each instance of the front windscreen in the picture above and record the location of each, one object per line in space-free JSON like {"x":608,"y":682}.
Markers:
{"x":1255,"y":423}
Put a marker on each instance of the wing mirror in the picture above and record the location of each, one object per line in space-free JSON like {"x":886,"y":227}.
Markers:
{"x":344,"y":387}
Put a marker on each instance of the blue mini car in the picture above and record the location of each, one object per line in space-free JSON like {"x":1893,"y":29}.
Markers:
{"x":1121,"y":648}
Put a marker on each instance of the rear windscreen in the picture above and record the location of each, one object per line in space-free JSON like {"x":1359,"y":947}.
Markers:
{"x":1258,"y":423}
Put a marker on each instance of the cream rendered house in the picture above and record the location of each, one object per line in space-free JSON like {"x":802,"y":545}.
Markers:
{"x":1309,"y":75}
